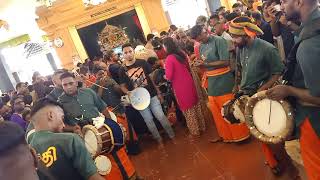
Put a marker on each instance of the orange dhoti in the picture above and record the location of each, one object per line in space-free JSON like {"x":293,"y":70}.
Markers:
{"x":310,"y":150}
{"x":124,"y":122}
{"x":228,"y":132}
{"x":122,"y":167}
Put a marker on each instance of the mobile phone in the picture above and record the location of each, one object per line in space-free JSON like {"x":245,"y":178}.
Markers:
{"x":278,"y":12}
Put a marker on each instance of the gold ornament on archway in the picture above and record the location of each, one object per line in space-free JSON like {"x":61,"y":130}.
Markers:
{"x":111,"y":37}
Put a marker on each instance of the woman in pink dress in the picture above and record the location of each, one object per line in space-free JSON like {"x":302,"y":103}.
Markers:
{"x":178,"y":73}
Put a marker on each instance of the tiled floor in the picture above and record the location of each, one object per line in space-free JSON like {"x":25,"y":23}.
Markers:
{"x":201,"y":160}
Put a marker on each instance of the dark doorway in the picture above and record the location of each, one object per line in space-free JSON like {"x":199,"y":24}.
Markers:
{"x":129,"y":21}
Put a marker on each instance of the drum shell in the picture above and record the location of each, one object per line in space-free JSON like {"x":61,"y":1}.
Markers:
{"x":106,"y":139}
{"x":110,"y":137}
{"x":118,"y":133}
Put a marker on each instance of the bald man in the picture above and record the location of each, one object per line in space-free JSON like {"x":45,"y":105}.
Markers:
{"x":64,"y":154}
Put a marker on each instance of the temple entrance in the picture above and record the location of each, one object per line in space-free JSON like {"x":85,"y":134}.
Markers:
{"x":128,"y":21}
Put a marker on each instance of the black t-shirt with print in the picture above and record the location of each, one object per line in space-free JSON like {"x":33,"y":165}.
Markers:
{"x":137,"y":75}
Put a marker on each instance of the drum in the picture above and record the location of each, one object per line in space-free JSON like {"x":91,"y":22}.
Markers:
{"x":139,"y":98}
{"x":103,"y":165}
{"x":269,"y":121}
{"x":233,"y":110}
{"x":111,"y":136}
{"x":239,"y":107}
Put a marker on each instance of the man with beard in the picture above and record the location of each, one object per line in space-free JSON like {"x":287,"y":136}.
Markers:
{"x":57,"y":91}
{"x":220,"y":82}
{"x":260,"y":67}
{"x":18,"y":106}
{"x":64,"y":154}
{"x":303,"y":75}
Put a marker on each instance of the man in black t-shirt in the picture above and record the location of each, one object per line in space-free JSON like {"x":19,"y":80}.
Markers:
{"x":136,"y":74}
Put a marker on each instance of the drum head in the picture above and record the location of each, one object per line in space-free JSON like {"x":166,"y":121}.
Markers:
{"x":103,"y":165}
{"x":269,"y":121}
{"x":269,"y":117}
{"x":91,"y":141}
{"x":140,"y":99}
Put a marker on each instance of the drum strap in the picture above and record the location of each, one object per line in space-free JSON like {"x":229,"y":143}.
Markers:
{"x":130,"y":128}
{"x":120,"y":165}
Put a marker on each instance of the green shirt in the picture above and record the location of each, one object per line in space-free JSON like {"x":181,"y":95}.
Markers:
{"x":259,"y":62}
{"x":307,"y":74}
{"x":216,"y":49}
{"x":64,"y":154}
{"x":30,"y":129}
{"x":86,"y":103}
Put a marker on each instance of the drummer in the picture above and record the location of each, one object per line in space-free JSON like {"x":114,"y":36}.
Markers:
{"x":80,"y":104}
{"x":261,"y":67}
{"x":305,"y":81}
{"x":64,"y":154}
{"x":220,"y":81}
{"x":110,"y":92}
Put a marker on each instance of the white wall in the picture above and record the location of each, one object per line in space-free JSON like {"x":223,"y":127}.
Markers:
{"x":183,"y":13}
{"x":20,"y":15}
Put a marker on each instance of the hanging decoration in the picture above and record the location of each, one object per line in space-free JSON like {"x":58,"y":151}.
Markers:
{"x":4,"y":24}
{"x":111,"y":37}
{"x":47,"y":3}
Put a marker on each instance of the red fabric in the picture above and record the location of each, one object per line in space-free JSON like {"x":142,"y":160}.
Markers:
{"x":115,"y":173}
{"x":310,"y":150}
{"x":272,"y":162}
{"x":92,"y":79}
{"x":162,"y":54}
{"x":197,"y":49}
{"x":172,"y":117}
{"x":137,"y":21}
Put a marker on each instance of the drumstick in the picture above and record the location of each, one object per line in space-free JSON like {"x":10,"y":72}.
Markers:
{"x":270,"y":112}
{"x":77,"y":74}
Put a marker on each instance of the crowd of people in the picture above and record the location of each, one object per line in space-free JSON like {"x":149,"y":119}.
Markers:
{"x":189,"y":74}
